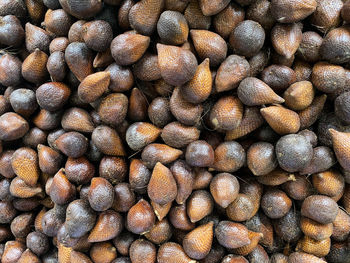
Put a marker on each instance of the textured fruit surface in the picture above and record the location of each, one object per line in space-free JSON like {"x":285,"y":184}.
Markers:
{"x":174,"y":131}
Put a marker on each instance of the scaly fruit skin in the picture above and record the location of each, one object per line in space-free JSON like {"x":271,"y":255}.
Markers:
{"x":198,"y":89}
{"x":341,"y":144}
{"x":174,"y":131}
{"x":253,"y":92}
{"x":281,"y":120}
{"x":290,"y":11}
{"x":177,"y":65}
{"x":198,"y":242}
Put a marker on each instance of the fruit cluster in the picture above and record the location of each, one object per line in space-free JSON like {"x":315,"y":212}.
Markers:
{"x":174,"y":131}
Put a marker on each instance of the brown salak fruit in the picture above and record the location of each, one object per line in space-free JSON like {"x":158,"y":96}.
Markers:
{"x":140,"y":134}
{"x":80,"y":9}
{"x":309,"y":48}
{"x":251,"y":120}
{"x":178,"y":135}
{"x":195,"y":17}
{"x":79,"y":59}
{"x":12,"y":251}
{"x":281,"y":120}
{"x":61,"y":190}
{"x":143,"y":16}
{"x":229,"y":157}
{"x":171,"y":252}
{"x":172,"y":28}
{"x":101,"y":194}
{"x":209,"y":45}
{"x":341,"y":107}
{"x":311,"y":114}
{"x":107,"y":140}
{"x":147,"y":68}
{"x":199,"y":154}
{"x":23,"y":102}
{"x":10,"y":70}
{"x":318,"y":248}
{"x":93,"y":86}
{"x":241,"y":209}
{"x":50,"y":160}
{"x":316,"y":230}
{"x":34,"y":67}
{"x":184,"y":178}
{"x":278,"y":77}
{"x":109,"y":224}
{"x":36,"y":37}
{"x":142,"y":250}
{"x":58,"y":44}
{"x":247,"y":38}
{"x":336,"y":46}
{"x":286,"y":39}
{"x":57,"y":22}
{"x":261,"y":158}
{"x":275,"y":203}
{"x":127,"y":48}
{"x":327,"y":15}
{"x":199,"y":87}
{"x":320,"y":208}
{"x":52,"y":96}
{"x":328,"y":78}
{"x":252,"y":92}
{"x":185,"y":112}
{"x":160,"y":233}
{"x":162,"y":187}
{"x":25,"y":164}
{"x":276,"y":177}
{"x":157,"y":152}
{"x":12,"y":126}
{"x":176,"y":6}
{"x":77,"y":119}
{"x":199,"y":205}
{"x":297,"y":257}
{"x":113,"y":109}
{"x":210,"y":8}
{"x":122,"y":78}
{"x":299,"y":95}
{"x":75,"y":33}
{"x":341,"y":142}
{"x":226,"y":114}
{"x":11,"y":31}
{"x":72,"y":144}
{"x":231,"y":72}
{"x":123,"y":14}
{"x":293,"y":152}
{"x":225,"y":21}
{"x":98,"y":35}
{"x":80,"y":218}
{"x":140,"y":218}
{"x":103,"y":252}
{"x":322,"y":159}
{"x":198,"y":242}
{"x":290,"y":11}
{"x":177,"y":65}
{"x":224,"y":188}
{"x":330,"y":183}
{"x":231,"y":235}
{"x":260,"y":12}
{"x":56,"y":66}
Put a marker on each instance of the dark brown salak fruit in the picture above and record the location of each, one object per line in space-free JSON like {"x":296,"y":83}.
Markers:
{"x":81,"y":10}
{"x":285,"y":11}
{"x":293,"y":152}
